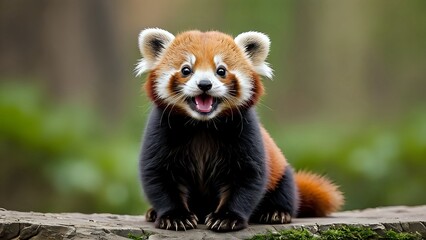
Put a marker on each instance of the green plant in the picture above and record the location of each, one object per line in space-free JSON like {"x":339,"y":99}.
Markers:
{"x":144,"y":236}
{"x":337,"y":233}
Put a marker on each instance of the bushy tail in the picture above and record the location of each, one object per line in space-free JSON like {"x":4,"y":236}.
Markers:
{"x":318,"y":196}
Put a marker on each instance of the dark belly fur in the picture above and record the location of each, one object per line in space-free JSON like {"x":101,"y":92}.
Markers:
{"x":200,"y":168}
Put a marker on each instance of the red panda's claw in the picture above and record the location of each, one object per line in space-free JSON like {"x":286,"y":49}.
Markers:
{"x":177,"y":223}
{"x":275,"y":217}
{"x":224,"y":222}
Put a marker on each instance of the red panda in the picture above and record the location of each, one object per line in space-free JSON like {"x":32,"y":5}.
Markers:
{"x":205,"y":156}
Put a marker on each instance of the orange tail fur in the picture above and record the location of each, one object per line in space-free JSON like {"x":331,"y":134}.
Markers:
{"x":318,"y":196}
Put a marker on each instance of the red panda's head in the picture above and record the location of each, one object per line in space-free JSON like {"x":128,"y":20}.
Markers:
{"x":203,"y":74}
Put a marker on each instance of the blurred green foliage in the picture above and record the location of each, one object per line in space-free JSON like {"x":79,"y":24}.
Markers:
{"x":59,"y":155}
{"x":374,"y":164}
{"x":63,"y":158}
{"x":347,"y":100}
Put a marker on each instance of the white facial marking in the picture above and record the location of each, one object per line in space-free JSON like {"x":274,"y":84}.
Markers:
{"x":191,"y":59}
{"x":162,"y":83}
{"x":191,"y":87}
{"x":246,"y":85}
{"x":197,"y":115}
{"x":219,"y":62}
{"x":218,"y":89}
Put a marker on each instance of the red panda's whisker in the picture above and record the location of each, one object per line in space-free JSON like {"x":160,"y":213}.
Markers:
{"x":173,"y":100}
{"x":230,"y":107}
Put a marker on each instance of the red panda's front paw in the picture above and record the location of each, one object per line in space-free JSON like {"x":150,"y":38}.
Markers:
{"x":177,"y":222}
{"x":224,"y":222}
{"x":273,"y":217}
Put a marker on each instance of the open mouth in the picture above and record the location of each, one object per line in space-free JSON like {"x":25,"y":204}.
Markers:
{"x":203,"y":103}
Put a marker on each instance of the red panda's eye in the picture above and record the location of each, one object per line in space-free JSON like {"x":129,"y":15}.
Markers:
{"x":221,"y":71}
{"x":186,"y":71}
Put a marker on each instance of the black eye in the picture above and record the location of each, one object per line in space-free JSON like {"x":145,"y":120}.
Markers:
{"x":221,"y":71}
{"x":186,"y":71}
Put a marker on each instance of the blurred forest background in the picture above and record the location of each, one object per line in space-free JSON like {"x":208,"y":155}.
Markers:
{"x":348,"y":98}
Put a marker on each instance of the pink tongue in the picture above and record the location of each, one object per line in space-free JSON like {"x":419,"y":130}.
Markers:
{"x":204,"y":104}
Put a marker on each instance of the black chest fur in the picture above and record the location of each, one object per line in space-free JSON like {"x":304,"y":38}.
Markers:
{"x":201,"y":159}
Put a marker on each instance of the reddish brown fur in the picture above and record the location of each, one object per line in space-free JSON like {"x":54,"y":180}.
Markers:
{"x":149,"y":88}
{"x":204,"y":46}
{"x":318,"y":196}
{"x":257,"y":88}
{"x":275,"y":160}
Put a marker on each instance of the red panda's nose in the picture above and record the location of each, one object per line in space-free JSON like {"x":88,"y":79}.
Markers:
{"x":205,"y":85}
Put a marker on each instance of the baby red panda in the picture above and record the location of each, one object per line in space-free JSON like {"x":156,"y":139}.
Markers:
{"x":205,"y":156}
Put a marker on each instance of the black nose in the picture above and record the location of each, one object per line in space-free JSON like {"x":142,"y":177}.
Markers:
{"x":205,"y":85}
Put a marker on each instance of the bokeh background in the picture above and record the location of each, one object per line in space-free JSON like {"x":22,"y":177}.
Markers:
{"x":348,"y":98}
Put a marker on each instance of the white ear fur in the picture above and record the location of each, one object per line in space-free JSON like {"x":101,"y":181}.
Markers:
{"x":152,"y":43}
{"x":256,"y":47}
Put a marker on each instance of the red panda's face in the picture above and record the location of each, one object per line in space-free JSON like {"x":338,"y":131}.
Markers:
{"x":203,"y":75}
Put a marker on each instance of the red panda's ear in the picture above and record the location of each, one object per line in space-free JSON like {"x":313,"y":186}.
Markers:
{"x":152,"y":43}
{"x":256,"y":47}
